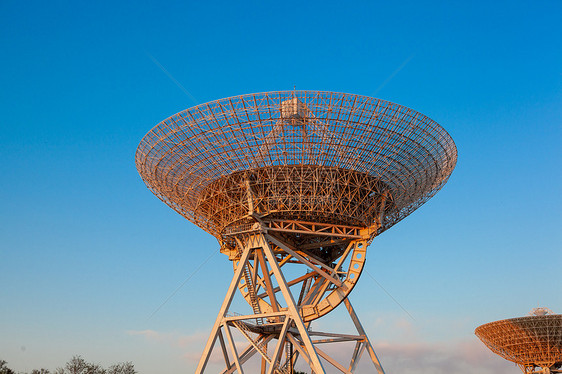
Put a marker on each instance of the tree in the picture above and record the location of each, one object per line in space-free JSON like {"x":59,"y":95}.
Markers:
{"x":77,"y":365}
{"x":4,"y":369}
{"x":122,"y":368}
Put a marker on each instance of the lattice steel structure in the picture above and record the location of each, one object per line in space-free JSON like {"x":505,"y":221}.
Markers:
{"x":534,"y":342}
{"x":299,"y":179}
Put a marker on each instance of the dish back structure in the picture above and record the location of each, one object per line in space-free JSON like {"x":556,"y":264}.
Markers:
{"x":534,"y":342}
{"x":299,"y":178}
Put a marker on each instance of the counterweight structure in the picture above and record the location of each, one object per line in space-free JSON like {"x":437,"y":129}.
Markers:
{"x":534,"y":342}
{"x":294,"y":185}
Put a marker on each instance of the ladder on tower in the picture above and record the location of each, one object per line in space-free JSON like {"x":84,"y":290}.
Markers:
{"x":252,"y":293}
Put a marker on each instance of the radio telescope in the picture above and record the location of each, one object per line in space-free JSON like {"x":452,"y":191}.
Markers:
{"x":534,"y":342}
{"x":294,"y":185}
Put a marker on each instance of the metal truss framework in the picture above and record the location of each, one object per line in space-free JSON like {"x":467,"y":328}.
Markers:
{"x":283,"y":318}
{"x":314,"y":156}
{"x":534,"y":343}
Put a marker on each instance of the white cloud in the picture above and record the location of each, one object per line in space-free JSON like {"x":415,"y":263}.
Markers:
{"x":459,"y":357}
{"x":189,"y":347}
{"x":149,"y":334}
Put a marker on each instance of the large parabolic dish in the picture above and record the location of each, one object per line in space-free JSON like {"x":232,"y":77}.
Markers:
{"x":531,"y":342}
{"x":294,"y":185}
{"x":198,"y":160}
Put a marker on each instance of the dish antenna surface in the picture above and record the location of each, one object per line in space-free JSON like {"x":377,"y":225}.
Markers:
{"x":534,"y":342}
{"x":294,"y":185}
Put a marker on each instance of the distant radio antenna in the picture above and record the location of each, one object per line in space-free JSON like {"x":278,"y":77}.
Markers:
{"x":533,"y":342}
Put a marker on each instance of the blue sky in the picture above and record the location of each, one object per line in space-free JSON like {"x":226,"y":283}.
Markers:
{"x":87,"y":253}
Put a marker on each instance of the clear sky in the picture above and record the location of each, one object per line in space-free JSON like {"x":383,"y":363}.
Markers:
{"x":87,"y":253}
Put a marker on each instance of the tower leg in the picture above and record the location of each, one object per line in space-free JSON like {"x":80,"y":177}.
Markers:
{"x":292,"y":307}
{"x":366,"y":342}
{"x":263,"y":363}
{"x":222,"y":313}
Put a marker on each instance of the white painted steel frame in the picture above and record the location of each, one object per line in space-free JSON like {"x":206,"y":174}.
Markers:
{"x":294,"y":330}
